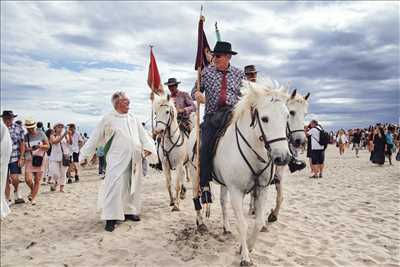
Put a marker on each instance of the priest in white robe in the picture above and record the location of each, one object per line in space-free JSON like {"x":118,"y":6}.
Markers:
{"x":5,"y":153}
{"x":126,"y":143}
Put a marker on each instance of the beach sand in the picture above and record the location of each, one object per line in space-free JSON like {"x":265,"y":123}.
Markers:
{"x":348,"y":218}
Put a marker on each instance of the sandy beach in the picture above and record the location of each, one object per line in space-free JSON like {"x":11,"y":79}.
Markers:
{"x":350,"y":217}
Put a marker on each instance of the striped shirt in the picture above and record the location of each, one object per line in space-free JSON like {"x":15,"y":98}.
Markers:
{"x":210,"y":83}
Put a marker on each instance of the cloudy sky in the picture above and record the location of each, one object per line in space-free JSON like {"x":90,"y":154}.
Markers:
{"x":61,"y":61}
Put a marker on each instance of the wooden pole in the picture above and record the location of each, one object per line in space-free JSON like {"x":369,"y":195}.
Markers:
{"x":152,"y":99}
{"x":197,"y":189}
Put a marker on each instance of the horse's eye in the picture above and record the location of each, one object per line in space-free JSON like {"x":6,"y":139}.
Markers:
{"x":292,"y":112}
{"x":167,"y":112}
{"x":264,"y":119}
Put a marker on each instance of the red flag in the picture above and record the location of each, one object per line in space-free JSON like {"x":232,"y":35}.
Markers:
{"x":203,"y":49}
{"x":153,"y":78}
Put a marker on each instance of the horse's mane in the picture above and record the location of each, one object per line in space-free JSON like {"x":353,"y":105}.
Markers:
{"x":252,"y":92}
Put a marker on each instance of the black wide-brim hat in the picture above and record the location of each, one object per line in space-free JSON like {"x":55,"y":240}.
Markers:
{"x":8,"y":114}
{"x":172,"y":81}
{"x":250,"y":69}
{"x":223,"y":48}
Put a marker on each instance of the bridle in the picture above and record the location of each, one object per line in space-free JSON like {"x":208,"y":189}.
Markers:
{"x":181,"y":138}
{"x":255,"y":119}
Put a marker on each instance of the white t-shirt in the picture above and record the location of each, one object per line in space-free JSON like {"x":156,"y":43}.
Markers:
{"x":315,"y":139}
{"x":76,"y":137}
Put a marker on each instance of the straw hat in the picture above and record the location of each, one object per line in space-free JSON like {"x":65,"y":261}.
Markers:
{"x":30,"y":123}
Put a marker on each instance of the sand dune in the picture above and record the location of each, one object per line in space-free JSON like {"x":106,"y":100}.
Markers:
{"x":348,"y":218}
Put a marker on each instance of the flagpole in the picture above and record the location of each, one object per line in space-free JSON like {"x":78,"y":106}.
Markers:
{"x":152,"y":99}
{"x":197,"y":189}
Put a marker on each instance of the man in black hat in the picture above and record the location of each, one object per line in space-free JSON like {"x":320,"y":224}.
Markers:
{"x":183,"y":103}
{"x":294,"y":164}
{"x":251,"y":73}
{"x":221,"y":84}
{"x":17,"y":159}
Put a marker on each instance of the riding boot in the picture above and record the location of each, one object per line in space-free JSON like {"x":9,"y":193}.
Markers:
{"x":196,"y":202}
{"x":206,"y":195}
{"x":296,"y":164}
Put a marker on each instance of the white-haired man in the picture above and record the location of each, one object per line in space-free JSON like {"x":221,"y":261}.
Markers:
{"x":125,"y":143}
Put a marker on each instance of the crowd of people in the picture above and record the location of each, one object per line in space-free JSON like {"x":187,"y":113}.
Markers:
{"x":42,"y":156}
{"x":381,"y":141}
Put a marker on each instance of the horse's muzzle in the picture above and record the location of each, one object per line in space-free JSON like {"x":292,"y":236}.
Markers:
{"x":282,"y":160}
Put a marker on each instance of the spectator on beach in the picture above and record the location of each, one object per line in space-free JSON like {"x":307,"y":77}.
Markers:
{"x":39,"y":126}
{"x":76,"y":142}
{"x":36,"y":145}
{"x":317,"y":150}
{"x":47,"y":176}
{"x":102,"y":160}
{"x":341,"y":141}
{"x":5,"y":149}
{"x":356,"y":141}
{"x":390,"y":143}
{"x":59,"y":157}
{"x":17,"y":159}
{"x":379,"y":147}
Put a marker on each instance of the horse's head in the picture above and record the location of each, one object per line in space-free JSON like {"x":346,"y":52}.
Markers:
{"x":269,"y":117}
{"x":165,"y":113}
{"x":298,"y":108}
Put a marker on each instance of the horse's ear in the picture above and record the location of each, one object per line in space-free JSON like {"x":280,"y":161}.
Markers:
{"x":307,"y":96}
{"x":293,"y":94}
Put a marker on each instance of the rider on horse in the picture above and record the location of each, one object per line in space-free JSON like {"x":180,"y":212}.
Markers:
{"x":221,"y":84}
{"x":183,"y":103}
{"x":294,"y":164}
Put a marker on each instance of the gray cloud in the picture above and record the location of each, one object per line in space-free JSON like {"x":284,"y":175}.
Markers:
{"x":350,"y":53}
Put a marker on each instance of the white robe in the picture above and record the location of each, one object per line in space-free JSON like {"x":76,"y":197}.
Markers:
{"x":6,"y":148}
{"x":120,"y":193}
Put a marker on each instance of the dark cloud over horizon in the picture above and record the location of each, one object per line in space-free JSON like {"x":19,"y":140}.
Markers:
{"x":345,"y":53}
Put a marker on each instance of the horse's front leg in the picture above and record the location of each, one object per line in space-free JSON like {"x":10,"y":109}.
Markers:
{"x":273,"y":216}
{"x":252,"y":210}
{"x":167,"y":174}
{"x":237,"y":205}
{"x":224,"y":200}
{"x":196,"y":201}
{"x":261,"y":208}
{"x":180,"y":172}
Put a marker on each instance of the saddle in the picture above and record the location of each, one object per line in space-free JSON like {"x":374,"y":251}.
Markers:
{"x":220,"y":121}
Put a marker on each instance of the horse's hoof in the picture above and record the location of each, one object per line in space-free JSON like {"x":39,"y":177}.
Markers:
{"x":246,"y":263}
{"x":264,"y":229}
{"x":175,"y":208}
{"x":227,"y":232}
{"x":171,"y":204}
{"x":272,"y":217}
{"x":182,"y":194}
{"x":202,"y":228}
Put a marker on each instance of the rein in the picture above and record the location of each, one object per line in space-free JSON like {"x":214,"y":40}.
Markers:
{"x":256,"y":119}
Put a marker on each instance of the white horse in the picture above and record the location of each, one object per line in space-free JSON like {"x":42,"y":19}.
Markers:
{"x":172,"y":148}
{"x":298,"y":108}
{"x":254,"y":142}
